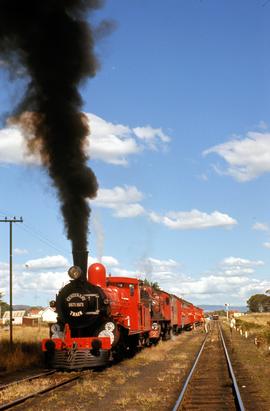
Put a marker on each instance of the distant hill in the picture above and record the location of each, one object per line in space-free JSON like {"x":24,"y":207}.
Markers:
{"x":240,"y":308}
{"x":20,"y":307}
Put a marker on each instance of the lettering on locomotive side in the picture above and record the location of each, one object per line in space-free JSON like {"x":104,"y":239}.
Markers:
{"x":75,"y":304}
{"x":75,"y":313}
{"x":75,"y":295}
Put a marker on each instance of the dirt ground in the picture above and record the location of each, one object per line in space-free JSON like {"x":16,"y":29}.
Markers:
{"x":150,"y":381}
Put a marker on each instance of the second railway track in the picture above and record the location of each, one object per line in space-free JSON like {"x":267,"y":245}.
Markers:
{"x":211,"y":384}
{"x":55,"y":380}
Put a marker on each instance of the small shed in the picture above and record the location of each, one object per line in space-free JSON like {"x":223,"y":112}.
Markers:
{"x":31,"y":321}
{"x":34,"y":312}
{"x":49,"y":315}
{"x":17,"y":317}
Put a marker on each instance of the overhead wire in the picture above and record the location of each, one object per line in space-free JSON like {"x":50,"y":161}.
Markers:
{"x":37,"y":234}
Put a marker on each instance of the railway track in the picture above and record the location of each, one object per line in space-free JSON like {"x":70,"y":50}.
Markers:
{"x":25,"y":379}
{"x":211,"y":384}
{"x":15,"y":386}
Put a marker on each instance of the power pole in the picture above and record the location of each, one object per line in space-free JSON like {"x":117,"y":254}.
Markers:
{"x":10,"y":221}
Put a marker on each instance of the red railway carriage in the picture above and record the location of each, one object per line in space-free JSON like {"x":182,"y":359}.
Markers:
{"x":177,"y":313}
{"x":187,"y":315}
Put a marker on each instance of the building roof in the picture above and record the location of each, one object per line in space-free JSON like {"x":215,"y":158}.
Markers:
{"x":16,"y":314}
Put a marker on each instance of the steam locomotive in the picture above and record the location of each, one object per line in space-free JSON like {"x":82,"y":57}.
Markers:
{"x":101,"y":318}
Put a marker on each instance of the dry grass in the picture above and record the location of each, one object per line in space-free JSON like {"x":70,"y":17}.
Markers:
{"x":122,"y":402}
{"x":154,"y":354}
{"x":148,"y":400}
{"x":26,"y":350}
{"x":257,"y":325}
{"x":25,"y":334}
{"x":258,"y":318}
{"x":23,"y":355}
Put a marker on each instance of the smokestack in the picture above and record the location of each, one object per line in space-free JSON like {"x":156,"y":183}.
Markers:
{"x":80,"y":259}
{"x":51,"y":43}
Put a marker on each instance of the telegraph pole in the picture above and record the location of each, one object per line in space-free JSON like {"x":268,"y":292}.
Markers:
{"x":10,"y":221}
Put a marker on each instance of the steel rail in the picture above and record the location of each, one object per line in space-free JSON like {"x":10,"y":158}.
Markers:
{"x":235,"y":385}
{"x":26,"y":397}
{"x":182,"y":393}
{"x":33,"y":377}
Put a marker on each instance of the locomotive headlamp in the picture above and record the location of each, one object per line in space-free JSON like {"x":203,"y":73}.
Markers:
{"x":75,"y":272}
{"x":109,"y":326}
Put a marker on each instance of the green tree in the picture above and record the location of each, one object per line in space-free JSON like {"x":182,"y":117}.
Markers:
{"x":3,"y":306}
{"x":259,"y":303}
{"x":154,"y":285}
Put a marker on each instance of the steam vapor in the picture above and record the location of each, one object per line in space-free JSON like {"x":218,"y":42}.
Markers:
{"x":53,"y":42}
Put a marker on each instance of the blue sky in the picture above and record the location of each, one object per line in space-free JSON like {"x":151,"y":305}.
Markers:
{"x":179,"y":114}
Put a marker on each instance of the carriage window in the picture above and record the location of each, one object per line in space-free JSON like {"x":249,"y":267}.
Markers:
{"x":131,"y":289}
{"x":167,"y":301}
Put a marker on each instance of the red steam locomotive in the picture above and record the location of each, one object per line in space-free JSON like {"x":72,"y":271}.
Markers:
{"x":100,"y":318}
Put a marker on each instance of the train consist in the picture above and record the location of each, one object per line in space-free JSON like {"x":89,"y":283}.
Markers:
{"x":100,"y":318}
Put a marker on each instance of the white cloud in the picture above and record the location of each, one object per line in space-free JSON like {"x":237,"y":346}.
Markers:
{"x":108,"y":142}
{"x":109,"y":261}
{"x":260,"y":227}
{"x":236,"y":266}
{"x":55,"y":261}
{"x":49,"y":281}
{"x":13,"y":148}
{"x":194,"y":219}
{"x":266,"y":244}
{"x":241,"y":262}
{"x":246,"y":158}
{"x":231,"y":285}
{"x":123,"y":200}
{"x":113,"y":143}
{"x":153,"y":137}
{"x":123,"y":272}
{"x":20,"y":251}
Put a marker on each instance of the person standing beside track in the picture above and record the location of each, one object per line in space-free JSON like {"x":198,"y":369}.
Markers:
{"x":232,"y":324}
{"x":207,"y":324}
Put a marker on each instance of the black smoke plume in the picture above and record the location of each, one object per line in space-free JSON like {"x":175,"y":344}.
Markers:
{"x":53,"y":43}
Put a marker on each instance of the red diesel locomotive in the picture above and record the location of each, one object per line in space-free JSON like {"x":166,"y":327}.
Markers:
{"x":100,"y":318}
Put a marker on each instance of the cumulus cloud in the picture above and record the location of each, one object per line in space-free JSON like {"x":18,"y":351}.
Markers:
{"x":152,"y":137}
{"x":260,"y":227}
{"x":44,"y":281}
{"x":247,"y":158}
{"x":194,"y":219}
{"x":266,"y":244}
{"x":49,"y":262}
{"x":236,"y":266}
{"x":108,"y":142}
{"x":235,"y":286}
{"x":220,"y":290}
{"x":110,"y":261}
{"x":124,"y":201}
